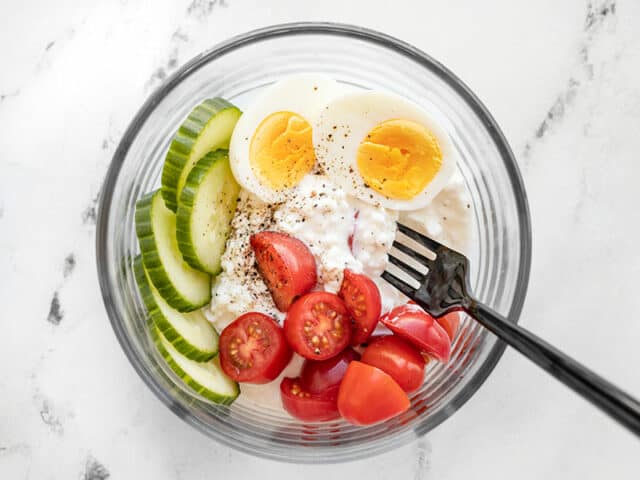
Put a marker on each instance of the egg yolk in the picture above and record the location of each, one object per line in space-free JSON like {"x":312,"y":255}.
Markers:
{"x":281,"y":150}
{"x":399,"y":158}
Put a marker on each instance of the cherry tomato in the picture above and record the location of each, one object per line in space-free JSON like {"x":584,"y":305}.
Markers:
{"x":414,"y":324}
{"x":253,"y":349}
{"x":398,"y":358}
{"x":367,"y":395}
{"x":362,"y":299}
{"x":306,"y":406}
{"x":286,"y":265}
{"x":317,"y":326}
{"x":450,"y":322}
{"x":326,"y":375}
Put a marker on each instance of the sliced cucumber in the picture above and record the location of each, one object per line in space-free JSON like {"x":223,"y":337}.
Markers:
{"x":207,"y":378}
{"x":207,"y":204}
{"x":182,"y":287}
{"x":191,"y":334}
{"x":208,"y":127}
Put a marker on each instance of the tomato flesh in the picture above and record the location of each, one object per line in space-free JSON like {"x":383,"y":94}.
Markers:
{"x":367,"y":395}
{"x":326,"y":375}
{"x":286,"y":265}
{"x":362,"y":299}
{"x":398,"y":358}
{"x":307,"y":406}
{"x":317,"y":326}
{"x":421,"y":329}
{"x":253,"y":349}
{"x":450,"y":322}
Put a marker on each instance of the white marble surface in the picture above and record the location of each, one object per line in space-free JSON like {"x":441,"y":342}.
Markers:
{"x":563,"y":81}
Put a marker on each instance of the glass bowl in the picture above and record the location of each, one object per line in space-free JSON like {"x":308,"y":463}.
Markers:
{"x":236,"y":70}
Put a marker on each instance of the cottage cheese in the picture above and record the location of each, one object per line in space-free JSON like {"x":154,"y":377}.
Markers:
{"x":239,"y":288}
{"x":323,"y":217}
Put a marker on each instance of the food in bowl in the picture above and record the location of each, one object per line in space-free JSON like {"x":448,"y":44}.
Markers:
{"x":262,"y":251}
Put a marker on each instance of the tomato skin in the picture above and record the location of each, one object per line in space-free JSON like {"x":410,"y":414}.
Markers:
{"x":254,"y":338}
{"x":450,"y":322}
{"x":317,"y":326}
{"x":397,"y":358}
{"x":325,"y":376}
{"x":286,"y":265}
{"x":306,"y":406}
{"x":421,"y":329}
{"x":362,"y":299}
{"x":367,"y":395}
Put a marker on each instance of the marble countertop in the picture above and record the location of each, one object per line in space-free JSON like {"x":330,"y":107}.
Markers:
{"x":561,"y":78}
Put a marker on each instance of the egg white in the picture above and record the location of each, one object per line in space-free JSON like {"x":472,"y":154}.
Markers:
{"x":303,"y":94}
{"x":343,"y":125}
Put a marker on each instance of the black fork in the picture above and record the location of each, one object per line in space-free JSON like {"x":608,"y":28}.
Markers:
{"x":445,"y":288}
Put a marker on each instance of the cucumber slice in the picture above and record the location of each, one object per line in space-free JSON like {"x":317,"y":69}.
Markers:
{"x":208,"y":127}
{"x":206,"y":208}
{"x":206,"y":379}
{"x":191,"y":334}
{"x":181,"y":287}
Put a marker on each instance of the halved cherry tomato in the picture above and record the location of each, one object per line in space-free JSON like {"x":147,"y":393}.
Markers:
{"x":317,"y":326}
{"x":450,"y":322}
{"x":398,"y":358}
{"x":414,"y":324}
{"x":362,"y":299}
{"x":307,"y":406}
{"x":253,"y":349}
{"x":367,"y":395}
{"x":286,"y":265}
{"x":326,"y":375}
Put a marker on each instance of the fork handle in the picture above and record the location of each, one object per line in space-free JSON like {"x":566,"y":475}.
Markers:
{"x":610,"y":399}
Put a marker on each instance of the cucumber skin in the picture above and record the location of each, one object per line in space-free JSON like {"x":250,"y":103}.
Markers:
{"x":186,"y":379}
{"x":182,"y":144}
{"x":187,"y":201}
{"x":159,"y":320}
{"x":153,"y":262}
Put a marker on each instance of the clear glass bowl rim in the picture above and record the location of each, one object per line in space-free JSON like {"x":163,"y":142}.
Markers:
{"x":340,"y":30}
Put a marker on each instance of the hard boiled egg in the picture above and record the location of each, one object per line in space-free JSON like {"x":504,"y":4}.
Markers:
{"x":271,"y":148}
{"x":383,"y":149}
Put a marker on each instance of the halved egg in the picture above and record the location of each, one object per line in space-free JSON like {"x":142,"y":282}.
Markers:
{"x":271,"y":148}
{"x":383,"y":149}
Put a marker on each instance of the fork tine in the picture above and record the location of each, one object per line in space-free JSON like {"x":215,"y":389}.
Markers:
{"x":405,"y":288}
{"x":413,"y":254}
{"x":408,"y":269}
{"x":420,"y":238}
